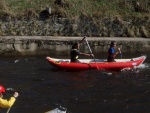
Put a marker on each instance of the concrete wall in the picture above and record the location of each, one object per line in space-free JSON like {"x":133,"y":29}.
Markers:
{"x":42,"y":45}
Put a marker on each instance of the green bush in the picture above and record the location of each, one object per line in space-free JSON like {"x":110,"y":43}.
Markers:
{"x":97,"y":8}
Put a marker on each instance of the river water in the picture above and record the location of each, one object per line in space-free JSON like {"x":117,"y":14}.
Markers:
{"x":43,"y":88}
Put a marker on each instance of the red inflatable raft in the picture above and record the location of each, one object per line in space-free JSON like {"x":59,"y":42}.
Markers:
{"x":85,"y":64}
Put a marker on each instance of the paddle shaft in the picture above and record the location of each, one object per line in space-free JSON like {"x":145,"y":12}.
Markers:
{"x":89,"y":48}
{"x":8,"y":110}
{"x":82,"y":40}
{"x":121,"y":55}
{"x":91,"y":52}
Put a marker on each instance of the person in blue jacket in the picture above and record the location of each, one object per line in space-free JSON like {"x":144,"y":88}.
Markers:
{"x":112,"y":53}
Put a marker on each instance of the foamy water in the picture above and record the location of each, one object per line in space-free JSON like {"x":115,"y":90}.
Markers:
{"x":144,"y":66}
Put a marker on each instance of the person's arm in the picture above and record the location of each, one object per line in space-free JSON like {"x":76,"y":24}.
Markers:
{"x":8,"y":103}
{"x":80,"y":53}
{"x":86,"y":54}
{"x":119,"y":51}
{"x":115,"y":54}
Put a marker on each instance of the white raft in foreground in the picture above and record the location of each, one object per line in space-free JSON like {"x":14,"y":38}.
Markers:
{"x":58,"y":110}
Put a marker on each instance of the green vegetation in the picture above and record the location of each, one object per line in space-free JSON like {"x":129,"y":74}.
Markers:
{"x":93,"y":8}
{"x":102,"y":18}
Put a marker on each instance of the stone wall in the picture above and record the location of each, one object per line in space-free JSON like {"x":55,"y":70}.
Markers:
{"x":44,"y":45}
{"x":104,"y":27}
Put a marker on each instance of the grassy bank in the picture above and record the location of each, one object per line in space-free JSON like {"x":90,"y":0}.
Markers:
{"x":74,"y":8}
{"x":100,"y":18}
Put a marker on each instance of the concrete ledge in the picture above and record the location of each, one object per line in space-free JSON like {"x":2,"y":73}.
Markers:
{"x":42,"y":45}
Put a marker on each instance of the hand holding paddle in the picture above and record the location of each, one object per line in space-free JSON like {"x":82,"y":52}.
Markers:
{"x":15,"y":96}
{"x":120,"y":52}
{"x":92,"y":55}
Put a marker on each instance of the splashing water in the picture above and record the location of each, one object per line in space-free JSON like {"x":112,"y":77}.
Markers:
{"x":144,"y":66}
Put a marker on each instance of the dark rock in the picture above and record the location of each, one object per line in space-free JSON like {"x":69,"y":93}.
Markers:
{"x":45,"y":14}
